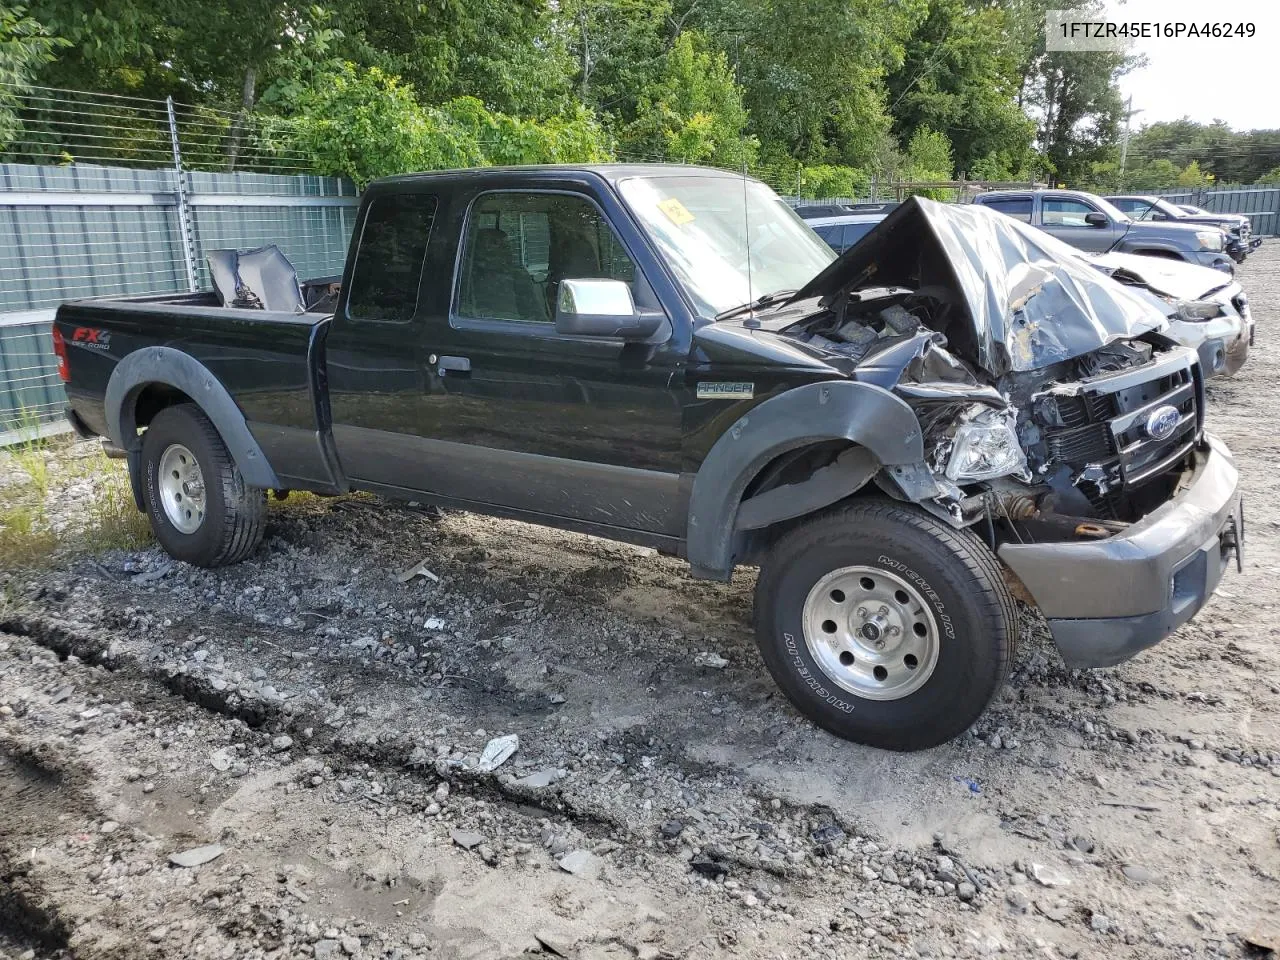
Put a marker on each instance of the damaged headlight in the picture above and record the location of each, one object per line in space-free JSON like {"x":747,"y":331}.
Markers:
{"x":1197,"y":311}
{"x":985,"y":447}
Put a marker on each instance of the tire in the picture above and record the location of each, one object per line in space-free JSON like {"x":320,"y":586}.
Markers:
{"x":225,"y":522}
{"x":839,"y":571}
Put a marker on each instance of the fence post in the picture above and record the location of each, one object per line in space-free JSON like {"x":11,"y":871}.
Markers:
{"x":185,"y":225}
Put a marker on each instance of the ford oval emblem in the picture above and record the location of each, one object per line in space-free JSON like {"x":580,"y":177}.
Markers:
{"x":1162,"y":421}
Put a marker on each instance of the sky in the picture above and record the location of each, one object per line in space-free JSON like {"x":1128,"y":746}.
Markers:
{"x":1206,"y":79}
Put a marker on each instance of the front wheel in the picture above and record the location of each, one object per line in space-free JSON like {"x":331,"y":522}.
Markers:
{"x":885,"y":625}
{"x":200,"y":508}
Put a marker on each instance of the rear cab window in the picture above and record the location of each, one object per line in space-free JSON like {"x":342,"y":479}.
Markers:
{"x":1017,"y":207}
{"x":390,"y":256}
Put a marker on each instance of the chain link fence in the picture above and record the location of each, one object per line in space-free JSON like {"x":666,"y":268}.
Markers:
{"x":106,"y":195}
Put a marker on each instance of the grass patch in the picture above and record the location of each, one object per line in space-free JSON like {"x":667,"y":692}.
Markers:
{"x":26,"y":538}
{"x":64,"y":500}
{"x":114,"y":521}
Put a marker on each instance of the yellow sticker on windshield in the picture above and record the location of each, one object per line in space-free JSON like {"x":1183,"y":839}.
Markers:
{"x":676,"y":211}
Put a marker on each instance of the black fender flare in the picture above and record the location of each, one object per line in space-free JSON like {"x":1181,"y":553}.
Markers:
{"x":173,"y":368}
{"x":835,"y":410}
{"x":1130,"y":245}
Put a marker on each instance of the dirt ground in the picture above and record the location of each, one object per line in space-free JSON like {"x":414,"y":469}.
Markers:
{"x":316,"y":725}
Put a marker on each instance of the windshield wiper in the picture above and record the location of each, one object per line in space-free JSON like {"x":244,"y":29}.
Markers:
{"x":766,"y":300}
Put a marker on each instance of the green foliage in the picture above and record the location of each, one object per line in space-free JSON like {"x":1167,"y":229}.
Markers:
{"x":1000,"y":166}
{"x":618,"y":50}
{"x":825,"y":180}
{"x":365,"y":124}
{"x":1272,"y":176}
{"x":1073,"y":96}
{"x":26,"y":45}
{"x":510,"y":54}
{"x":812,"y":72}
{"x":814,"y":95}
{"x":694,"y":113}
{"x":960,"y":76}
{"x":929,"y":155}
{"x":1192,"y":176}
{"x":1231,"y":157}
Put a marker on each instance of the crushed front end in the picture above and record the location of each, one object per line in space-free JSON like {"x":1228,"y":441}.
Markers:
{"x":1059,"y":420}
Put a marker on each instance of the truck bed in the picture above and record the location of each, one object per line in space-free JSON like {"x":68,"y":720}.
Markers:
{"x":268,"y":361}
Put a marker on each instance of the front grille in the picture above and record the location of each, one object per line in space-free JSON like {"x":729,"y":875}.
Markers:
{"x":1170,"y":381}
{"x":1084,"y":408}
{"x":1086,"y":444}
{"x":1107,"y":421}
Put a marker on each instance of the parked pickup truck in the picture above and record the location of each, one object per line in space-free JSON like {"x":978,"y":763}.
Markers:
{"x":1240,"y":239}
{"x":1094,"y":225}
{"x":903,"y":439}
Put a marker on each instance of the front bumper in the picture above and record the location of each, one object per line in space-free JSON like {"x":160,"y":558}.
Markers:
{"x":1221,"y":343}
{"x":1106,"y":600}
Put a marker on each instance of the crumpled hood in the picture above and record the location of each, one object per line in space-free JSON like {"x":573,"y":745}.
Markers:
{"x":1173,"y":278}
{"x":1025,"y":300}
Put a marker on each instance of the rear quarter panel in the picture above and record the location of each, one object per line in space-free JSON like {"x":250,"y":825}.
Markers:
{"x":261,"y":358}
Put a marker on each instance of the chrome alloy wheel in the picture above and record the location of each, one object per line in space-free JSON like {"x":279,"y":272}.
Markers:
{"x":871,"y":632}
{"x":181,"y":488}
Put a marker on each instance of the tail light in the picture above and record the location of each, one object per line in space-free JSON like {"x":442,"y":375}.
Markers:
{"x":60,"y":351}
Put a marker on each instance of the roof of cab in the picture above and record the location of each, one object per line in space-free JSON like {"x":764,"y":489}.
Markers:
{"x":612,"y":172}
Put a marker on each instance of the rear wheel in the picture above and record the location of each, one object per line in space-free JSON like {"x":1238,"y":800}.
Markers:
{"x":884,"y":625}
{"x":199,"y":506}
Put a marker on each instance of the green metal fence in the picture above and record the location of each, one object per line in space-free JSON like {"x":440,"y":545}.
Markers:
{"x":68,"y":232}
{"x":1260,"y":204}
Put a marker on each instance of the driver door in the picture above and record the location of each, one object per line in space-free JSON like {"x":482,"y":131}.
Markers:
{"x":581,"y":427}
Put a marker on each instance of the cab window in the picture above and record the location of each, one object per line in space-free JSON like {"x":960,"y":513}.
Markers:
{"x":1065,"y":212}
{"x":389,"y":257}
{"x":519,"y":246}
{"x":1017,"y":207}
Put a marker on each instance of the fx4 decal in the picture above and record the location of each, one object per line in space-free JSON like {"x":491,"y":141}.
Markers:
{"x":92,"y":337}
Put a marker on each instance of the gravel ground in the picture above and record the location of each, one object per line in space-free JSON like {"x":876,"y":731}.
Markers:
{"x":287,"y":758}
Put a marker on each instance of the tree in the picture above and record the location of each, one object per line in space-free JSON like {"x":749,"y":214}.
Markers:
{"x":25,"y":46}
{"x":1073,"y":96}
{"x":510,"y":54}
{"x":1192,"y":176}
{"x":694,"y":113}
{"x":362,"y":123}
{"x":619,"y":50}
{"x":929,"y":155}
{"x":1231,"y":157}
{"x":812,"y":71}
{"x":960,"y":76}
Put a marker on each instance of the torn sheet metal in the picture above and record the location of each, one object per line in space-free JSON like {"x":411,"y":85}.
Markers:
{"x":1016,"y":298}
{"x":1172,"y":278}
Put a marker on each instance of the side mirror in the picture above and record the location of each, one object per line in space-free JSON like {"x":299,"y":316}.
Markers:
{"x":602,"y":308}
{"x":1159,"y":216}
{"x":1096,"y":219}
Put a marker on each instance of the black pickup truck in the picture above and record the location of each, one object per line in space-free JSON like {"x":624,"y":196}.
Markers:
{"x":954,"y":413}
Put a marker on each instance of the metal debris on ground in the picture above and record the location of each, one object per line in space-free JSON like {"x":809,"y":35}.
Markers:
{"x":710,"y":659}
{"x":498,"y":751}
{"x":197,"y":855}
{"x":419,"y":569}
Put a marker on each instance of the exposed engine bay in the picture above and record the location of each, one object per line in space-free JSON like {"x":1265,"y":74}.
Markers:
{"x":1067,"y":414}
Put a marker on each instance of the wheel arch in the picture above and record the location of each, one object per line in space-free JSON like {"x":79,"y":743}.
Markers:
{"x":866,"y":428}
{"x":148,"y":380}
{"x":1149,"y":249}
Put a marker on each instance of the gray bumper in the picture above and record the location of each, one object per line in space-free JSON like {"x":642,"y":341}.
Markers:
{"x":1106,"y":600}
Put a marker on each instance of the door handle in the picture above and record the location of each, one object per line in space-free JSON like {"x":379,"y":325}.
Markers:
{"x":453,"y":364}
